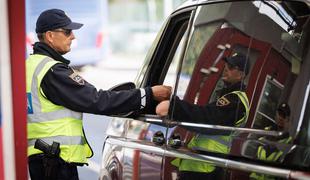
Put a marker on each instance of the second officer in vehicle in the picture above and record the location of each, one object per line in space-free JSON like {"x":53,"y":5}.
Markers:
{"x":231,"y":108}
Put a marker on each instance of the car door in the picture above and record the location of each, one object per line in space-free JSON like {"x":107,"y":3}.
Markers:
{"x":135,"y":146}
{"x":162,"y":68}
{"x":219,"y":30}
{"x":187,"y":54}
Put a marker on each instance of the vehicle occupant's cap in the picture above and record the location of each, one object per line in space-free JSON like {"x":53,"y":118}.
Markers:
{"x":239,"y":60}
{"x":284,"y":109}
{"x":53,"y":19}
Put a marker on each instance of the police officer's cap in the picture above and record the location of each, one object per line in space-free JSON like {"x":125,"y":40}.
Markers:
{"x":239,"y":60}
{"x":53,"y":19}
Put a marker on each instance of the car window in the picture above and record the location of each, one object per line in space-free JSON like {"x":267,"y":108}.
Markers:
{"x":202,"y":64}
{"x":252,"y":55}
{"x":171,"y":74}
{"x":277,"y":59}
{"x":266,"y":112}
{"x":215,"y":36}
{"x":163,"y":60}
{"x":141,"y":75}
{"x":166,"y":52}
{"x":195,"y":47}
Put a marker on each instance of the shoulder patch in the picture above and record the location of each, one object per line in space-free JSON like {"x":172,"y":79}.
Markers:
{"x":222,"y":102}
{"x":77,"y":78}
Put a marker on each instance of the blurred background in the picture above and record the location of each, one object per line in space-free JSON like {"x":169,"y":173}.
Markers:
{"x":109,"y":49}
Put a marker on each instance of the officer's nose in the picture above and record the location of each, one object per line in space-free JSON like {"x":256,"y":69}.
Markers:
{"x":72,"y":36}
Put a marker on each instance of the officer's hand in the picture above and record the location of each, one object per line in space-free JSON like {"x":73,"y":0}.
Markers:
{"x":161,"y":92}
{"x":162,"y":108}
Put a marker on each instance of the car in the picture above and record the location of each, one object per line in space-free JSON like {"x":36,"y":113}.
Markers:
{"x":91,"y":43}
{"x":186,"y":54}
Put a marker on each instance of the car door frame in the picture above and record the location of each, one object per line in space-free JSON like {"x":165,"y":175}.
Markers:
{"x":152,"y":73}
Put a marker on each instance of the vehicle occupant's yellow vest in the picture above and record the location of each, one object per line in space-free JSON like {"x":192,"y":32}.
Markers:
{"x":51,"y":122}
{"x":272,"y":157}
{"x":211,"y":143}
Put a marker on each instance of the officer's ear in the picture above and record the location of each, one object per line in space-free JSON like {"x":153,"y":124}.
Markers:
{"x":48,"y":37}
{"x":243,"y":75}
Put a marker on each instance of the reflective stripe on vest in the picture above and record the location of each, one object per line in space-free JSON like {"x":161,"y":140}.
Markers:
{"x":213,"y":143}
{"x":63,"y":140}
{"x":51,"y":122}
{"x":261,"y":176}
{"x":245,"y":101}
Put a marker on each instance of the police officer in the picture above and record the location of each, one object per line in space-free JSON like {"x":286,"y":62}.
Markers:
{"x":230,"y":109}
{"x":57,"y":96}
{"x":269,"y":152}
{"x":282,"y":116}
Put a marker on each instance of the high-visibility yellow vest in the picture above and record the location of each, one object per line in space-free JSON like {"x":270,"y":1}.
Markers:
{"x":51,"y":122}
{"x":273,"y":157}
{"x":213,"y":143}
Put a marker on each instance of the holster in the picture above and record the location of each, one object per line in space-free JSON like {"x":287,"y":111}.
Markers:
{"x":51,"y":160}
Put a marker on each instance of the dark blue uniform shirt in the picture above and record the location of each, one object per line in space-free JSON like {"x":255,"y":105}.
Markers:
{"x":62,"y":86}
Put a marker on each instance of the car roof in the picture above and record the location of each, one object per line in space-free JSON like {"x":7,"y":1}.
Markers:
{"x":297,"y":10}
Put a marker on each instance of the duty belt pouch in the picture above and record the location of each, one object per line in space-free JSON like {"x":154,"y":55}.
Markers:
{"x":51,"y":166}
{"x":51,"y":160}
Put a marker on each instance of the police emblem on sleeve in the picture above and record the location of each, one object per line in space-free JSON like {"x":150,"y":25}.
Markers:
{"x":77,"y":78}
{"x":222,"y":102}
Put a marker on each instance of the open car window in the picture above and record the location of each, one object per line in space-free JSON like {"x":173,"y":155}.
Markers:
{"x":276,"y":47}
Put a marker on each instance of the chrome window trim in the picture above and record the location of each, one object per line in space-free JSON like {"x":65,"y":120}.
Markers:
{"x":149,"y":118}
{"x":303,"y":110}
{"x":221,"y":162}
{"x":264,"y":115}
{"x":274,"y":82}
{"x":188,"y":33}
{"x":234,"y":164}
{"x":123,"y":142}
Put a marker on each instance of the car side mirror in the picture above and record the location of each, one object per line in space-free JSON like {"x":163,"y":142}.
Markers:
{"x":120,"y":87}
{"x":123,"y":86}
